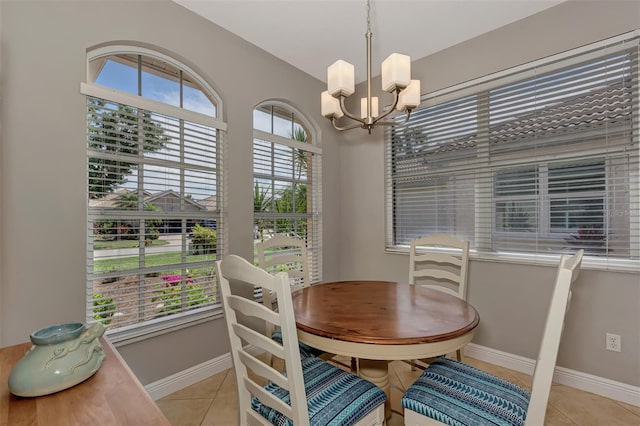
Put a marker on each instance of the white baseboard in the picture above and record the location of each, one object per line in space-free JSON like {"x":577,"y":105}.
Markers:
{"x":576,"y":379}
{"x":192,"y":375}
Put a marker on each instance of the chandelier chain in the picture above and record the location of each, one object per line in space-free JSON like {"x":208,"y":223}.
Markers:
{"x":368,"y":17}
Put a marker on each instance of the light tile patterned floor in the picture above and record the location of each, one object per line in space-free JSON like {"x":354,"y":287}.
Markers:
{"x":213,"y":402}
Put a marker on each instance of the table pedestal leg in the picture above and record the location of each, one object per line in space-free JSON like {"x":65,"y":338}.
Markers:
{"x":377,"y":372}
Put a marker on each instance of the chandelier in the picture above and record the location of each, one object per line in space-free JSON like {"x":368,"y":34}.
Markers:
{"x":396,"y":79}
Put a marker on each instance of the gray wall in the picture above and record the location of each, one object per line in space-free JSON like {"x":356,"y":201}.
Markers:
{"x":43,"y":175}
{"x":43,"y":180}
{"x":512,"y":299}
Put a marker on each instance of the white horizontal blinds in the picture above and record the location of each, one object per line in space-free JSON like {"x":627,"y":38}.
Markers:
{"x":544,"y":161}
{"x":287,"y":194}
{"x":434,"y":161}
{"x":153,"y":215}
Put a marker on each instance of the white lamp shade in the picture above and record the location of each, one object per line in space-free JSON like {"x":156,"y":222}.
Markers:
{"x":363,"y":107}
{"x":330,"y":106}
{"x":409,"y":97}
{"x":340,"y":78}
{"x":396,"y":72}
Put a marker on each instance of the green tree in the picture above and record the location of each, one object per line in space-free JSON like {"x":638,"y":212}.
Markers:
{"x":115,"y":132}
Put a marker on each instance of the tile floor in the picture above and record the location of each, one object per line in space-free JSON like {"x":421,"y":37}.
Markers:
{"x":212,"y":402}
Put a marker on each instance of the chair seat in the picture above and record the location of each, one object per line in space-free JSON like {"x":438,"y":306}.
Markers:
{"x":457,"y":394}
{"x":306,"y":351}
{"x":334,"y":396}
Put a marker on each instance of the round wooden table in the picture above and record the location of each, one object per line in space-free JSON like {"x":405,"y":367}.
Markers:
{"x":381,"y":321}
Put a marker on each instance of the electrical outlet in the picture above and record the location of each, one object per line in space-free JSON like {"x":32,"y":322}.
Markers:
{"x":614,"y":342}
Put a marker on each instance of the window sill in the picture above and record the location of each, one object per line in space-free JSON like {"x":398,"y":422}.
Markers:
{"x":136,"y":333}
{"x":589,"y":262}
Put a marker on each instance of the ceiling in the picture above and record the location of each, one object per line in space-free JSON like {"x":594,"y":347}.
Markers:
{"x":312,"y":34}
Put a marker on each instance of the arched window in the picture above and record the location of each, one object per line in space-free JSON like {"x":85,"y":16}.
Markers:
{"x":154,"y":191}
{"x":287,"y":196}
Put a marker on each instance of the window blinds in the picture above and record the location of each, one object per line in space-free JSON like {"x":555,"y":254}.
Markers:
{"x":153,"y":219}
{"x":542,"y":161}
{"x":287,"y":182}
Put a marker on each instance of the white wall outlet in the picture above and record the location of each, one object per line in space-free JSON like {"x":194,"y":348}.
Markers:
{"x":614,"y":342}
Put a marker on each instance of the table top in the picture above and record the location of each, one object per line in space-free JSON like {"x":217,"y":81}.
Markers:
{"x":112,"y":396}
{"x":382,"y":313}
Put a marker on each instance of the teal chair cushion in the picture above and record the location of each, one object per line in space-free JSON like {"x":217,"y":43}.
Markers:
{"x":457,"y":394}
{"x":334,"y":396}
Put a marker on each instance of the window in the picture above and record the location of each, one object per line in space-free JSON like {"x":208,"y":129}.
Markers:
{"x":540,"y":160}
{"x":154,"y":188}
{"x":287,"y":181}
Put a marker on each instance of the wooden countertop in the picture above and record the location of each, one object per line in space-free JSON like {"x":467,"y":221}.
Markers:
{"x":112,"y":396}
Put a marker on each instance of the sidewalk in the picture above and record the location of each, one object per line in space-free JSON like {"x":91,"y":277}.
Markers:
{"x":175,"y":244}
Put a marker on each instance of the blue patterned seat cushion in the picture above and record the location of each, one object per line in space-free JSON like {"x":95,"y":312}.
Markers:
{"x":306,"y":351}
{"x":458,"y":394}
{"x":334,"y":396}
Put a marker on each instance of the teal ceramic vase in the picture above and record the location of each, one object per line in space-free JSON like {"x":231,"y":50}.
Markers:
{"x":62,"y":356}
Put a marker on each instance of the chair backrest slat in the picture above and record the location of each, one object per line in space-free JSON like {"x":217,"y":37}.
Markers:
{"x":282,"y":253}
{"x":237,"y":272}
{"x":263,"y":369}
{"x":567,"y":273}
{"x":446,"y":269}
{"x":258,"y":340}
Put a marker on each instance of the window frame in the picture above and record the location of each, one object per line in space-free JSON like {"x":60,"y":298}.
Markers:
{"x":146,"y":329}
{"x":311,"y":146}
{"x":480,"y":87}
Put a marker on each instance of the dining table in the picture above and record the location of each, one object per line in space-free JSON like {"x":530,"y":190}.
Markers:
{"x":381,"y":321}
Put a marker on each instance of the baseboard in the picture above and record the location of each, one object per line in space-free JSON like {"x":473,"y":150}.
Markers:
{"x":192,"y":375}
{"x":576,"y":379}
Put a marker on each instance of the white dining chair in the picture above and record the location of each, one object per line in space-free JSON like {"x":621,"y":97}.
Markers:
{"x":443,"y":269}
{"x":282,"y":253}
{"x":310,"y":391}
{"x":453,"y":393}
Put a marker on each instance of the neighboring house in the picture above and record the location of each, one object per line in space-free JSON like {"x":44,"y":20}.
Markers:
{"x":166,"y":201}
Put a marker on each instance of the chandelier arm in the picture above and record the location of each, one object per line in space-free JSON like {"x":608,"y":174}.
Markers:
{"x":352,"y":126}
{"x":396,"y":97}
{"x":347,"y":113}
{"x":396,"y":123}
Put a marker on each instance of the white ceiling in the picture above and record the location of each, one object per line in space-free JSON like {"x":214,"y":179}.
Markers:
{"x":312,"y":34}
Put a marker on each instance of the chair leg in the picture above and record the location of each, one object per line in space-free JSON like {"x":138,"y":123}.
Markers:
{"x":354,"y":365}
{"x":459,"y":354}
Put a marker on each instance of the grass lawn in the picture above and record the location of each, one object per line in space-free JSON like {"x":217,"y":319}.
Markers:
{"x":99,"y":245}
{"x":133,"y":262}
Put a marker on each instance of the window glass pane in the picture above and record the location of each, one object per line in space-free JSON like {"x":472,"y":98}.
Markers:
{"x":516,"y":216}
{"x":194,"y":97}
{"x":573,"y":178}
{"x":571,"y":214}
{"x":160,"y":81}
{"x":119,"y":72}
{"x":282,"y":122}
{"x":262,"y":119}
{"x":513,"y":183}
